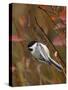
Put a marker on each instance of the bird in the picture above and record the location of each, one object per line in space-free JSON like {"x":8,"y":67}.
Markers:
{"x":42,"y":54}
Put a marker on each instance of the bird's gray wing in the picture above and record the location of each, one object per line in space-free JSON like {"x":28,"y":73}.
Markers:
{"x":46,"y":58}
{"x":43,"y":54}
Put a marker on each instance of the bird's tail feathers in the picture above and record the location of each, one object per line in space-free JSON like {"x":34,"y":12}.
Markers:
{"x":57,"y":65}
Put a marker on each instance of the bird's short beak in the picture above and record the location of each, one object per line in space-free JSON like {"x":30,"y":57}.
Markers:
{"x":30,"y":49}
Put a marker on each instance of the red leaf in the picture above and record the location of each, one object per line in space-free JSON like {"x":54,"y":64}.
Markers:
{"x":63,"y":14}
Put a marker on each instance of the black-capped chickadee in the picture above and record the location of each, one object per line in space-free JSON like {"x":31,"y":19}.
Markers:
{"x":41,"y":53}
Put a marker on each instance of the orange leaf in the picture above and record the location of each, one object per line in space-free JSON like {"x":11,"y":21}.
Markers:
{"x":53,"y":18}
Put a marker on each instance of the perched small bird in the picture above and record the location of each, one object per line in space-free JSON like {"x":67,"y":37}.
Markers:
{"x":41,"y":53}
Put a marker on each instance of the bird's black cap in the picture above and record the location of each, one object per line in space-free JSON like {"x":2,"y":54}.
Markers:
{"x":31,"y":43}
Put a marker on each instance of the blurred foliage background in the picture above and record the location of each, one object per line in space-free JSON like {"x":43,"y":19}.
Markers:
{"x":46,"y":24}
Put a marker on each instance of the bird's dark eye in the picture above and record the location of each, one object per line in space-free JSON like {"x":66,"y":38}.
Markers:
{"x":30,"y":49}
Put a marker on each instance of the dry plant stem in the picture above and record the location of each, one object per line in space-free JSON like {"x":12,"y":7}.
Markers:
{"x":18,"y":33}
{"x":45,"y":79}
{"x":53,"y":47}
{"x":39,"y":72}
{"x":42,"y":77}
{"x":20,"y":69}
{"x":17,"y":30}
